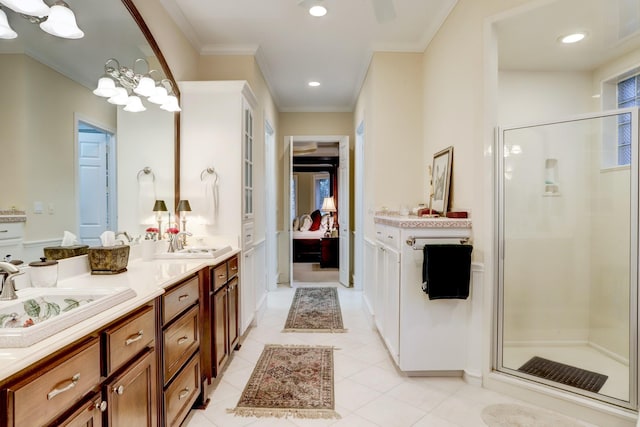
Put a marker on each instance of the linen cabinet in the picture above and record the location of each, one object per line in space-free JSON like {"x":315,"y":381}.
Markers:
{"x":217,"y":132}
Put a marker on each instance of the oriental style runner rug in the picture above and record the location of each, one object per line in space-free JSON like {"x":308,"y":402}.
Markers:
{"x":290,"y":381}
{"x":315,"y":310}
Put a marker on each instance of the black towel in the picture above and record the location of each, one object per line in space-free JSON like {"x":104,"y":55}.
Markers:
{"x":446,"y":270}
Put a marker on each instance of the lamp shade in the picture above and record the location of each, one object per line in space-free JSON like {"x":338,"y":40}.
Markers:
{"x":159,"y":95}
{"x":106,"y":87}
{"x":328,"y":205}
{"x":184,"y":206}
{"x":27,"y":7}
{"x":146,"y":86}
{"x":171,"y":104}
{"x":159,"y":206}
{"x":62,"y":22}
{"x":134,"y":105}
{"x":6,"y":32}
{"x":120,"y":96}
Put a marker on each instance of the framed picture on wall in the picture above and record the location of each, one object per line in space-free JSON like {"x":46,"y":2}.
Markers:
{"x":441,"y":179}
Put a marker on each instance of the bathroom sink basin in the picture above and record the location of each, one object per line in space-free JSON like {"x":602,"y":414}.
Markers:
{"x":195,"y":252}
{"x":39,"y":313}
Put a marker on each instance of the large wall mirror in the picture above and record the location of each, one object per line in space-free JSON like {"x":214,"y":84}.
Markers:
{"x":71,"y":160}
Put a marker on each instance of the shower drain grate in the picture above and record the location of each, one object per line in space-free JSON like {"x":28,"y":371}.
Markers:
{"x":564,"y":374}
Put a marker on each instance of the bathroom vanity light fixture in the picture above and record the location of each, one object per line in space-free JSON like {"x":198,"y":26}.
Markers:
{"x":124,"y":85}
{"x":158,"y":207}
{"x":57,"y":20}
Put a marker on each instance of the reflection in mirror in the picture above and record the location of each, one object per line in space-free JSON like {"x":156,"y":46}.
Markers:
{"x":75,"y":158}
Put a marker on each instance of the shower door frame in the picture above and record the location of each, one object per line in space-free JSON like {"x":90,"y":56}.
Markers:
{"x":499,"y":250}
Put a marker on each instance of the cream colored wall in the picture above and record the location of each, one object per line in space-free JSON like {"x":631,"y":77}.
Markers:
{"x":391,"y":104}
{"x":47,"y":158}
{"x":13,"y":130}
{"x":304,"y":200}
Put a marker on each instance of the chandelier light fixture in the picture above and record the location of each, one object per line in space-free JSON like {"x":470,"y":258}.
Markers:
{"x":123,"y":85}
{"x":57,"y":20}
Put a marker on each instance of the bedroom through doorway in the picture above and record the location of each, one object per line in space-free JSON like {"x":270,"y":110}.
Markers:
{"x":317,"y":208}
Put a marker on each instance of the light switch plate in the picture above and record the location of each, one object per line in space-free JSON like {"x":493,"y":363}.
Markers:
{"x":37,"y":207}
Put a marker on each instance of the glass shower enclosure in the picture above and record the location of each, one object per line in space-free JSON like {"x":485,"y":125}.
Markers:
{"x":567,"y":245}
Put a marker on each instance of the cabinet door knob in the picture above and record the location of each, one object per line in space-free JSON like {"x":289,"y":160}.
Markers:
{"x":133,"y":338}
{"x":119,"y":390}
{"x":183,"y":393}
{"x":101,"y":406}
{"x":56,"y":391}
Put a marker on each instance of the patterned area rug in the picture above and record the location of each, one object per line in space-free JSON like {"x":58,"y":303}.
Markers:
{"x":512,"y":415}
{"x":564,"y":374}
{"x":315,"y":310}
{"x":290,"y":380}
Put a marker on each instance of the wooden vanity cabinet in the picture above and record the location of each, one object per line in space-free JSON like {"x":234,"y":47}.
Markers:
{"x":224,"y":301}
{"x":179,"y":335}
{"x":50,"y":388}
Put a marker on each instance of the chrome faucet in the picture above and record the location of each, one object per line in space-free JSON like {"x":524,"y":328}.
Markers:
{"x":180,"y":240}
{"x":9,"y":271}
{"x":126,"y":235}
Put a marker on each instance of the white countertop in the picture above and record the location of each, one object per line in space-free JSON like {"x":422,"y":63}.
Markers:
{"x":148,"y":279}
{"x":414,"y":221}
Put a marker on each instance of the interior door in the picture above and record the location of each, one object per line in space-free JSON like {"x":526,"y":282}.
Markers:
{"x":343,"y":210}
{"x":288,"y":158}
{"x":94,"y":183}
{"x":270,"y":207}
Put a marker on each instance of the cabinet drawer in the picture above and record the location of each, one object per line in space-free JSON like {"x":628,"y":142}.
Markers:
{"x":182,"y":393}
{"x":180,"y":341}
{"x":11,"y":230}
{"x":380,"y":232}
{"x":54,"y":390}
{"x":220,"y":275}
{"x":233,"y":267}
{"x":126,"y":340}
{"x":392,"y":237}
{"x":178,"y":299}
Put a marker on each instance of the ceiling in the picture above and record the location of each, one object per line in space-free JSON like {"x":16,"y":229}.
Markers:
{"x":293,"y":48}
{"x":529,"y":41}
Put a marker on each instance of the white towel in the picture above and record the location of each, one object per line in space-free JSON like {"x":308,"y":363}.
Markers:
{"x":146,"y":199}
{"x":210,"y":198}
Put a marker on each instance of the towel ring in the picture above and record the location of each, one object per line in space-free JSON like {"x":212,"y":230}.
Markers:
{"x":146,"y":170}
{"x":208,"y":171}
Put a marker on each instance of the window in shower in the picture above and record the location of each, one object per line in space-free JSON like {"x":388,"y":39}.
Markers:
{"x":568,"y":259}
{"x":628,"y":96}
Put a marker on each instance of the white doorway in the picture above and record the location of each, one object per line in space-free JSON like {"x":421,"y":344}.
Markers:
{"x":341,"y":238}
{"x":359,"y":174}
{"x":96,"y":181}
{"x":270,"y":206}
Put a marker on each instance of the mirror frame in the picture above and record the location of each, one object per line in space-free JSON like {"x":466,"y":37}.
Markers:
{"x":137,"y":17}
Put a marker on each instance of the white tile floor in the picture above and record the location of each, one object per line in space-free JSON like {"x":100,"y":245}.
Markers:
{"x":369,"y":391}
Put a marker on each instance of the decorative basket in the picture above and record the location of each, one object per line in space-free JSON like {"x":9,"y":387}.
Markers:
{"x":109,"y":259}
{"x":55,"y":253}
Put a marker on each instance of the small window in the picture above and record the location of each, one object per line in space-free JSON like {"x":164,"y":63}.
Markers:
{"x":321,"y":187}
{"x":628,"y":96}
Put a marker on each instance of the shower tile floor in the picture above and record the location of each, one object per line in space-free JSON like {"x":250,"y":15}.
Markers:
{"x":369,"y":391}
{"x":580,"y":356}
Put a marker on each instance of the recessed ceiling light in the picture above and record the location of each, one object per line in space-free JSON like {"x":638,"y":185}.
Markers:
{"x":314,"y":84}
{"x":572,"y":38}
{"x":317,"y":10}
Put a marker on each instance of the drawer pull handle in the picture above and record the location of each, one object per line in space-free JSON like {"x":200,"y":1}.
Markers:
{"x":234,"y":268}
{"x":183,"y":297}
{"x":133,"y":338}
{"x":119,"y":390}
{"x":4,"y":231}
{"x":102,"y":406}
{"x":56,"y":391}
{"x":221,"y":276}
{"x":390,"y":237}
{"x":182,"y":340}
{"x":184,"y":393}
